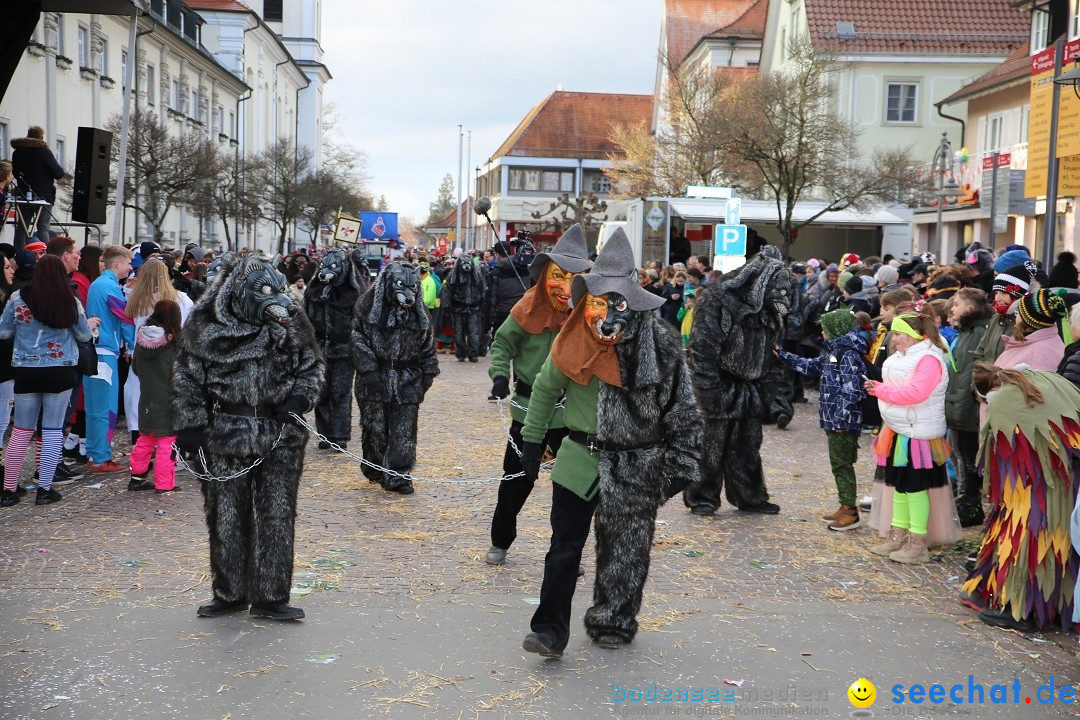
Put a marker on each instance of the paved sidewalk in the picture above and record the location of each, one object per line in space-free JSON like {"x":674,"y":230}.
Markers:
{"x":406,"y":620}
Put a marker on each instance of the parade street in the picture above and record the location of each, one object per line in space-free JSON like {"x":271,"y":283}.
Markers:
{"x":773,"y":616}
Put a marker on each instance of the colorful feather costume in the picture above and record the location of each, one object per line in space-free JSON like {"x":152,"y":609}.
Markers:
{"x":1031,"y":459}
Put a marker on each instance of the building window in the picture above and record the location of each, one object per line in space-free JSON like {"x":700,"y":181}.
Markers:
{"x":1074,"y":18}
{"x":1025,"y":114}
{"x":84,"y":46}
{"x":176,"y":104}
{"x":232,"y":124}
{"x":5,"y":138}
{"x":995,"y":124}
{"x":556,"y":181}
{"x":103,"y":59}
{"x":193,"y":108}
{"x":219,"y":119}
{"x":273,"y":10}
{"x":59,"y":33}
{"x":61,"y":151}
{"x":597,"y":182}
{"x":1040,"y":31}
{"x":901,"y":102}
{"x":151,"y":84}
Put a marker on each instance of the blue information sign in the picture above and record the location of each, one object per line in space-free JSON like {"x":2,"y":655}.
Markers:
{"x":730,"y":239}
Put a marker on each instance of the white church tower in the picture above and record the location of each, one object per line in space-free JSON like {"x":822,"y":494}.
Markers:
{"x":299,"y":24}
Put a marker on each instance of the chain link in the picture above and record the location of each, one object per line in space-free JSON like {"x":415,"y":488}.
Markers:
{"x":207,"y":476}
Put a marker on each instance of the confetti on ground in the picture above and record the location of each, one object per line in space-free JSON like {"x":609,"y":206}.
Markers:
{"x":736,"y":683}
{"x":323,"y":658}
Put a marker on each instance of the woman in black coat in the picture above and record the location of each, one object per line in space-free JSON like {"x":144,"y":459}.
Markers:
{"x":673,"y":299}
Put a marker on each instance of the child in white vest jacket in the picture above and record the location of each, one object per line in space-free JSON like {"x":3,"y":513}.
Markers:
{"x":912,"y":446}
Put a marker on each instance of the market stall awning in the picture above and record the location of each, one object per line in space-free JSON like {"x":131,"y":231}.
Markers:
{"x":764,"y":212}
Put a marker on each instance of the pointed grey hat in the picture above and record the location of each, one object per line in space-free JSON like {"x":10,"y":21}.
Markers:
{"x":615,"y":271}
{"x":570,"y":253}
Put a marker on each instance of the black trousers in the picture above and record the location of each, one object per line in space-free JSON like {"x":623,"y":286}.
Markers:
{"x":333,"y":412}
{"x":388,"y":438}
{"x":513,"y":493}
{"x":467,"y":334}
{"x":571,"y":518}
{"x":730,"y":462}
{"x":251,"y":523}
{"x":965,"y":452}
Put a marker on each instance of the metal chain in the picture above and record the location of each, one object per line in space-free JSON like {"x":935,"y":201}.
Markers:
{"x":210,"y":477}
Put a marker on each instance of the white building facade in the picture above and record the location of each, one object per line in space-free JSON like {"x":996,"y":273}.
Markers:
{"x":221,"y":75}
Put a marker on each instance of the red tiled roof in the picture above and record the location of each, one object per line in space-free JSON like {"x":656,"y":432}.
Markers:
{"x":1013,"y":70}
{"x":229,"y":5}
{"x":450,"y":220}
{"x":952,"y":27}
{"x":575,"y":125}
{"x":687,"y":21}
{"x":751,"y":24}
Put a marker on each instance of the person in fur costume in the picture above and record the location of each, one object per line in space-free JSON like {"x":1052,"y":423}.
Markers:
{"x":1026,"y":569}
{"x":329,"y":301}
{"x":525,"y":339}
{"x":463,"y":292}
{"x":247,"y":360}
{"x":634,"y":436}
{"x":737,"y":321}
{"x":393,"y":350}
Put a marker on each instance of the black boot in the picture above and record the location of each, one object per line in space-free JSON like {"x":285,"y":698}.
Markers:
{"x":8,"y":498}
{"x":277,"y":611}
{"x":541,"y":645}
{"x":217,"y":607}
{"x":47,"y":497}
{"x":610,"y":641}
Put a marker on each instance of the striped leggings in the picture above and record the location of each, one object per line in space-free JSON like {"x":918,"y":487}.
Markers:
{"x":52,"y":408}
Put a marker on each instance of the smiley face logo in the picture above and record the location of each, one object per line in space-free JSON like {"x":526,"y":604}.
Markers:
{"x":862,"y":693}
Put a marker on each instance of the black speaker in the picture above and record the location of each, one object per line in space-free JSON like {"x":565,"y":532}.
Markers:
{"x":90,"y":189}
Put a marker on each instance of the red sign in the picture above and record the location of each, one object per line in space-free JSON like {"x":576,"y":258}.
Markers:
{"x":1003,"y":160}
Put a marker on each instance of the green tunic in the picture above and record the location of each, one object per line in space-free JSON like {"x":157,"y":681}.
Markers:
{"x":528,"y":353}
{"x":575,"y":466}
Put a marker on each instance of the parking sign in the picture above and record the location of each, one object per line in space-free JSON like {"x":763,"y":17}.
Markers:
{"x":730,"y":239}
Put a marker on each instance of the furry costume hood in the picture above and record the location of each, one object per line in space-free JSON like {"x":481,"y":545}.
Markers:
{"x":219,"y":332}
{"x":746,"y":291}
{"x":152,"y":337}
{"x":335,"y":270}
{"x":382,"y":304}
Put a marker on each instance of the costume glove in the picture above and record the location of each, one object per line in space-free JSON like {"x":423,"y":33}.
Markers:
{"x":531,"y":454}
{"x":190,"y":440}
{"x":501,"y":388}
{"x":294,"y":404}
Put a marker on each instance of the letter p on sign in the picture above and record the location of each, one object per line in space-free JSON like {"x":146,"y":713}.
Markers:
{"x":730,"y":239}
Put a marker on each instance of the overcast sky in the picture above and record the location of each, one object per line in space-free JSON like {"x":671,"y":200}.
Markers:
{"x":407,"y":72}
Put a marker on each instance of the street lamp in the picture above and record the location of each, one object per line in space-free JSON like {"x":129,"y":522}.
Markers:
{"x":947,"y":187}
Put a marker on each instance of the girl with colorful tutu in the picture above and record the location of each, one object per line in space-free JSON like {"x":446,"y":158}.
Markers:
{"x":911,"y":445}
{"x":1025,"y":571}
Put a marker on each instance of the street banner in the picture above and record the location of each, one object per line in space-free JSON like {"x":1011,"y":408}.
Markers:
{"x":347,"y":228}
{"x":378,"y":226}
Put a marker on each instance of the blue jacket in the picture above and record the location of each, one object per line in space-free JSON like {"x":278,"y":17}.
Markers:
{"x":841,"y":386}
{"x":106,"y":301}
{"x":37,"y":345}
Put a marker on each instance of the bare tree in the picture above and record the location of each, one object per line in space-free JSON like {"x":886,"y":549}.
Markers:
{"x":228,"y":193}
{"x":323,"y":194}
{"x":688,"y":147}
{"x":163,"y":169}
{"x":564,"y":212}
{"x":279,"y":184}
{"x":792,"y":145}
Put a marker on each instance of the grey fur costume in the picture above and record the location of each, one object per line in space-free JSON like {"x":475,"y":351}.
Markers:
{"x":393,"y":350}
{"x":463,"y":294}
{"x":737,"y":322}
{"x":655,"y":405}
{"x":227,"y":365}
{"x":329,"y":301}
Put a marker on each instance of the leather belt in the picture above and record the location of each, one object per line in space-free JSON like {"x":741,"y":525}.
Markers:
{"x":265,"y":412}
{"x":397,"y":364}
{"x":523,"y":388}
{"x":595,"y":446}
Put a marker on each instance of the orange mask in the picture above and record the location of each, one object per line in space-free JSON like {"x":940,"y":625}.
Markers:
{"x":558,"y":282}
{"x":596,"y":316}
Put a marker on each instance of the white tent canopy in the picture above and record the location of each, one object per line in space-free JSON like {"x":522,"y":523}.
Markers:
{"x":764,"y":211}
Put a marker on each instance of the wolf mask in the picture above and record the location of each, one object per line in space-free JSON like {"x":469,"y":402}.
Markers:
{"x":610,"y":318}
{"x":395,"y":294}
{"x":258,"y":294}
